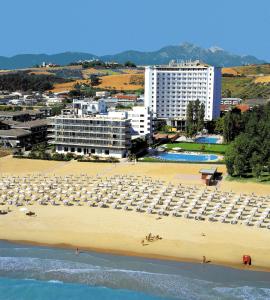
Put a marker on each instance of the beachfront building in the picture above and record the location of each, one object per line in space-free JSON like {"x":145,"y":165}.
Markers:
{"x":169,"y":89}
{"x":90,"y":134}
{"x":141,"y":121}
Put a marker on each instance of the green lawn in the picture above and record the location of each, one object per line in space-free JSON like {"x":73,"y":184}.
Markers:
{"x":265,"y":178}
{"x":211,"y":148}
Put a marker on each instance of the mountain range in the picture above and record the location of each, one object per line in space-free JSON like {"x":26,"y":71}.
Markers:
{"x":213,"y":56}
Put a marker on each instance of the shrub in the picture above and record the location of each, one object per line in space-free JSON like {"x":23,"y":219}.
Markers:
{"x":58,"y":156}
{"x":69,"y":155}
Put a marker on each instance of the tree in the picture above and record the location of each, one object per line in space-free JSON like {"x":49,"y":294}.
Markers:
{"x":201,"y":117}
{"x":250,"y":150}
{"x":195,"y":117}
{"x":130,"y":64}
{"x":75,"y":93}
{"x":95,"y":80}
{"x":166,"y":128}
{"x":227,"y":93}
{"x":56,"y":109}
{"x":239,"y":165}
{"x":28,"y":82}
{"x":229,"y":159}
{"x":196,"y":111}
{"x":219,"y":125}
{"x":257,"y":164}
{"x":233,"y":125}
{"x":190,"y":119}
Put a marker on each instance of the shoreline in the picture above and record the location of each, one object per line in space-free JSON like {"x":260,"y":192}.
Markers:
{"x":139,"y":255}
{"x":120,"y":232}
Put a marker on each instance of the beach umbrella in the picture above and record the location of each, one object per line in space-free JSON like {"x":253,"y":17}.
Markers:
{"x":23,"y":209}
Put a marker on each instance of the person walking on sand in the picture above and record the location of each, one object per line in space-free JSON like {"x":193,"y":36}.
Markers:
{"x":77,"y":251}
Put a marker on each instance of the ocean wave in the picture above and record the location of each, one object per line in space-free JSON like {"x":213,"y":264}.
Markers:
{"x":169,"y":285}
{"x":244,"y":292}
{"x":56,"y":281}
{"x":158,"y":283}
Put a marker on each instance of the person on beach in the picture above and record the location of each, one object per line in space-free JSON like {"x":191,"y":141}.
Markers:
{"x":77,"y":251}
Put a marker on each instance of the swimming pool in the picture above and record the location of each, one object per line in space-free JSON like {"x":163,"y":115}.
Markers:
{"x":185,"y":157}
{"x":207,"y":140}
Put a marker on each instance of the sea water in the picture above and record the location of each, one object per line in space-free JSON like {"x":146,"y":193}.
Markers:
{"x":30,"y":272}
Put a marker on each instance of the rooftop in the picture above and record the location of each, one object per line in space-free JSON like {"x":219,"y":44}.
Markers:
{"x":31,"y":124}
{"x":174,"y":64}
{"x":114,"y":116}
{"x":19,"y":112}
{"x":13,"y":113}
{"x":14,"y":133}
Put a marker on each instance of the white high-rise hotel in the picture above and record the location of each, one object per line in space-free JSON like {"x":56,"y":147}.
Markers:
{"x":168,"y":90}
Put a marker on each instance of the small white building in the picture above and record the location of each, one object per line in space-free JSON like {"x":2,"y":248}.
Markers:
{"x":141,"y":121}
{"x":102,"y":94}
{"x":53,"y":101}
{"x":231,"y":101}
{"x":89,"y":106}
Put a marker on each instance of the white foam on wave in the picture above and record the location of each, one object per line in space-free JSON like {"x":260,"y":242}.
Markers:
{"x":51,"y":269}
{"x":56,"y":281}
{"x":168,"y":285}
{"x":244,"y":292}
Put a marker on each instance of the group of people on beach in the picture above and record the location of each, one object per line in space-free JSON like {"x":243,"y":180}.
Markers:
{"x":151,"y":238}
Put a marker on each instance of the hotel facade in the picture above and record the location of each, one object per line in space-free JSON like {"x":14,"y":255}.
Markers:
{"x":169,"y":89}
{"x":103,"y":135}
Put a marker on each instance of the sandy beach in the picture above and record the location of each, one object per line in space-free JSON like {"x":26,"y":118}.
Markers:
{"x":119,"y":231}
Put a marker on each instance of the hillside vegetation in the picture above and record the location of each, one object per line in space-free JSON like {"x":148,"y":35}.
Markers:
{"x":246,"y":81}
{"x":252,"y":81}
{"x":67,"y":86}
{"x":25,"y":82}
{"x":125,"y":82}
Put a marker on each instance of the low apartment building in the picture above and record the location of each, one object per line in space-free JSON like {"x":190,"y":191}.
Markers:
{"x":37,"y":128}
{"x":15,"y":134}
{"x":21,"y":116}
{"x":15,"y":138}
{"x":102,"y":135}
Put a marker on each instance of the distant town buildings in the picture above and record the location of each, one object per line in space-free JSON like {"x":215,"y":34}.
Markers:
{"x":231,"y":101}
{"x":103,"y":94}
{"x":22,"y":129}
{"x":169,"y":89}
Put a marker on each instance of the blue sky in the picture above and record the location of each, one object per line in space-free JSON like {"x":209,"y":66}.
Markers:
{"x":110,"y":26}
